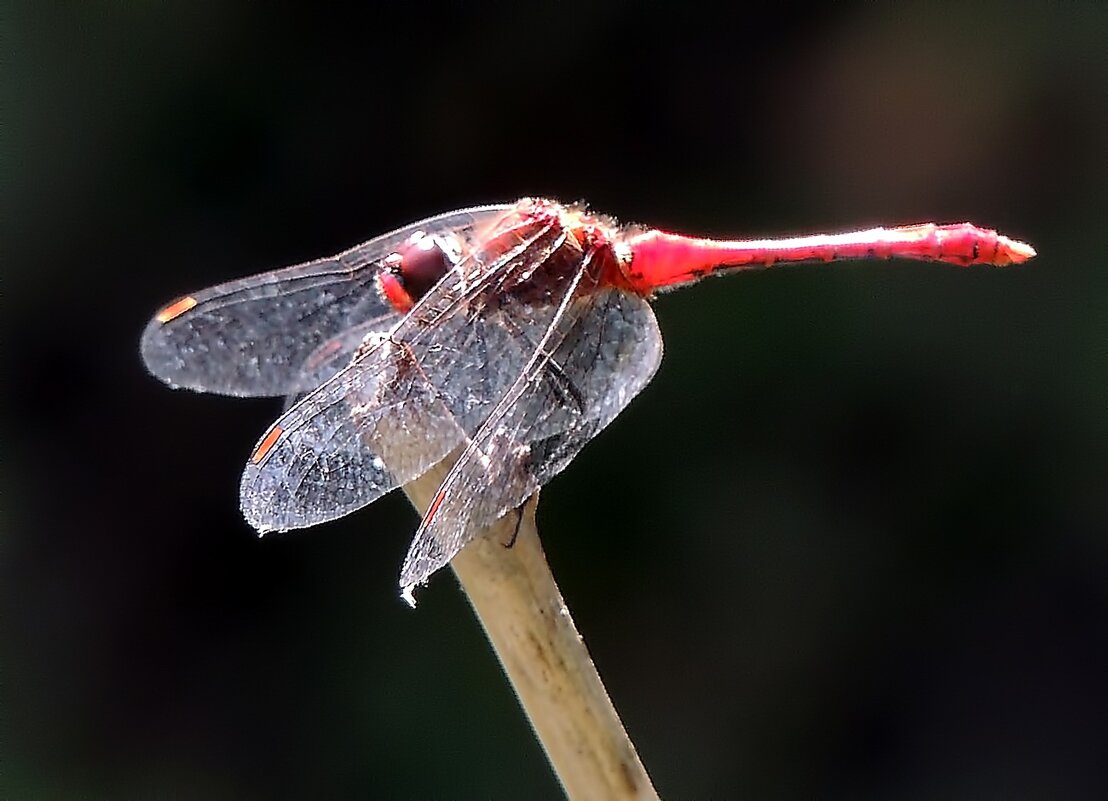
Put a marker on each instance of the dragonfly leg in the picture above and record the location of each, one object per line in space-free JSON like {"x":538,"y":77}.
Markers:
{"x":519,"y":510}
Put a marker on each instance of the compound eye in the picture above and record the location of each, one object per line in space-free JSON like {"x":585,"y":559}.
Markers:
{"x":422,"y":265}
{"x":412,"y":270}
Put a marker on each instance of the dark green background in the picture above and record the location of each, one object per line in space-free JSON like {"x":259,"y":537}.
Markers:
{"x":852,"y":542}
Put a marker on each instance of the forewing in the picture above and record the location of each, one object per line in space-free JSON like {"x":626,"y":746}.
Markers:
{"x":409,"y":397}
{"x":325,"y":457}
{"x":253,"y":336}
{"x":332,"y":356}
{"x":604,"y":351}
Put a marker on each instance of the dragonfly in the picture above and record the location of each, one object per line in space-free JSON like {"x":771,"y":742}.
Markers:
{"x":508,"y":335}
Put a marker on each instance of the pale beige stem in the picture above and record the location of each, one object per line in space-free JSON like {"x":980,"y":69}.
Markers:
{"x":529,"y":626}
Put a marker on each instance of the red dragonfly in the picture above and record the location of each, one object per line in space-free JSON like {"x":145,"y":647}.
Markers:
{"x":511,"y":333}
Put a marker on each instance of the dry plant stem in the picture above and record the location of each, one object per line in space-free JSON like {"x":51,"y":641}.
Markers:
{"x":514,"y":595}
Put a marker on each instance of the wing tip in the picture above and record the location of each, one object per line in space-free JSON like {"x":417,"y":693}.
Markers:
{"x":160,"y":359}
{"x":406,"y":594}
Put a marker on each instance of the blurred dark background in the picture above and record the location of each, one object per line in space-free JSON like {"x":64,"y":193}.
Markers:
{"x":852,"y":542}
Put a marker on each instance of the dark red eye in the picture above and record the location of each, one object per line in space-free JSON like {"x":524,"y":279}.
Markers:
{"x":411,"y":271}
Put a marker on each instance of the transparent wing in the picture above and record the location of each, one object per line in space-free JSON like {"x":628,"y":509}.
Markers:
{"x":408,"y":398}
{"x":604,"y":350}
{"x":253,"y":336}
{"x":333,"y":355}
